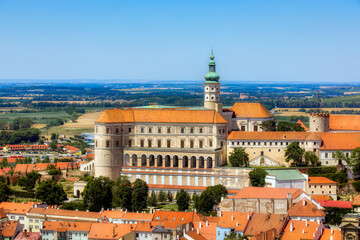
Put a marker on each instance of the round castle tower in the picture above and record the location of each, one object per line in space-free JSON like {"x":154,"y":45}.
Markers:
{"x":319,"y":122}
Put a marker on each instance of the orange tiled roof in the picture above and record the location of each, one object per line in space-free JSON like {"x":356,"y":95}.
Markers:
{"x":205,"y":225}
{"x":110,"y":230}
{"x":65,"y":213}
{"x":22,"y":168}
{"x":28,"y":236}
{"x":319,"y":180}
{"x":8,"y":229}
{"x":302,"y":125}
{"x":320,"y":197}
{"x":261,"y":222}
{"x":9,"y":160}
{"x":344,"y":122}
{"x":16,"y":208}
{"x":195,"y":236}
{"x":250,"y":110}
{"x":2,"y":213}
{"x":143,"y":226}
{"x":160,"y":116}
{"x":140,"y":216}
{"x":291,"y":136}
{"x":309,"y":210}
{"x":340,"y":141}
{"x":331,"y":232}
{"x":235,"y":220}
{"x":356,"y":201}
{"x":265,"y":193}
{"x":298,"y":227}
{"x":171,"y":219}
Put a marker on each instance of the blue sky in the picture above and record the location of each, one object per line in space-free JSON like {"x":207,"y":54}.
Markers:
{"x":253,"y":40}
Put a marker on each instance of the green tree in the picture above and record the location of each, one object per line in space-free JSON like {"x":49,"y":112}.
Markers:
{"x":74,"y":205}
{"x":235,"y":236}
{"x":354,"y":161}
{"x":294,"y":152}
{"x":50,"y":192}
{"x":268,"y":126}
{"x":4,"y":192}
{"x":52,"y":170}
{"x":7,"y":180}
{"x":194,"y":198}
{"x":283,"y":126}
{"x":162,"y":196}
{"x":257,"y":177}
{"x":46,"y":160}
{"x":219,"y":192}
{"x":29,"y":181}
{"x":53,"y":145}
{"x":140,"y":195}
{"x":206,"y":201}
{"x":169,"y":196}
{"x":97,"y":194}
{"x":340,"y":157}
{"x":54,"y":136}
{"x":152,"y":200}
{"x":239,"y":158}
{"x":182,"y":200}
{"x":356,"y":185}
{"x":122,"y":193}
{"x":312,"y":158}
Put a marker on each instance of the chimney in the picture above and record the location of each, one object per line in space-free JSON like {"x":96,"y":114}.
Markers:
{"x":232,"y":217}
{"x":200,"y":225}
{"x":25,"y":232}
{"x":197,"y":231}
{"x":291,"y":227}
{"x":331,"y":237}
{"x":332,"y":230}
{"x":125,"y":211}
{"x":318,"y":221}
{"x":304,"y":202}
{"x":306,"y":223}
{"x":237,"y":223}
{"x":248,"y":216}
{"x":303,"y":231}
{"x":207,"y":223}
{"x":314,"y":235}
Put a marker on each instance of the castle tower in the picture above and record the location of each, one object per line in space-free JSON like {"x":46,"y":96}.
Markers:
{"x":212,"y":88}
{"x":319,"y":122}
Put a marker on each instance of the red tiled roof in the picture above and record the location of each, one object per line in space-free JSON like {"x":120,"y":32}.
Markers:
{"x":235,"y":220}
{"x":331,"y":232}
{"x":340,"y":141}
{"x":320,"y":197}
{"x":337,"y":204}
{"x":110,"y":230}
{"x":261,"y":222}
{"x":27,"y":236}
{"x":8,"y":229}
{"x":250,"y":110}
{"x":66,"y":226}
{"x":356,"y":201}
{"x":160,"y":116}
{"x":171,"y":219}
{"x":302,"y":125}
{"x":320,"y":180}
{"x":305,"y":208}
{"x":143,"y":226}
{"x":284,"y":136}
{"x":16,"y":208}
{"x":344,"y":122}
{"x":298,"y":227}
{"x":265,"y":193}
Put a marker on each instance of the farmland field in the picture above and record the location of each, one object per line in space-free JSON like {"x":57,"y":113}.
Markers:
{"x":37,"y":117}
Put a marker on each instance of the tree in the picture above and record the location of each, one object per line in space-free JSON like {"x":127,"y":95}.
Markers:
{"x":268,"y":126}
{"x":97,"y":194}
{"x":356,"y":185}
{"x":50,"y":192}
{"x":7,"y":180}
{"x":162,"y":196}
{"x":257,"y":177}
{"x":46,"y":160}
{"x":235,"y":236}
{"x":310,"y":157}
{"x":182,"y":200}
{"x":206,"y":201}
{"x":53,"y":145}
{"x":152,"y":200}
{"x":219,"y":192}
{"x":52,"y":170}
{"x":140,"y":195}
{"x":4,"y":192}
{"x":54,"y":136}
{"x":239,"y":158}
{"x":194,"y":198}
{"x":294,"y":152}
{"x":169,"y":196}
{"x":340,"y":157}
{"x":74,"y":205}
{"x":122,"y":193}
{"x":283,"y":126}
{"x":354,"y":161}
{"x":29,"y":181}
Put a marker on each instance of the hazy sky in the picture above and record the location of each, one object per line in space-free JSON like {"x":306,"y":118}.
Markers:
{"x":253,"y":40}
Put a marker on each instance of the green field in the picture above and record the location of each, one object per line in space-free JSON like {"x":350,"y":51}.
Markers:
{"x":345,"y":99}
{"x":37,"y":117}
{"x":287,"y":119}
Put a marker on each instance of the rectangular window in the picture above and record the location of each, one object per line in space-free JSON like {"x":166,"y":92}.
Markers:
{"x":141,"y":143}
{"x":96,"y":130}
{"x":182,"y":143}
{"x":224,"y":130}
{"x":243,"y":143}
{"x":168,"y":143}
{"x":326,"y":155}
{"x":210,"y":143}
{"x":200,"y":130}
{"x":117,"y":130}
{"x":150,"y":130}
{"x":256,"y":128}
{"x":191,"y":144}
{"x":107,"y":130}
{"x":270,"y":143}
{"x":210,"y":130}
{"x":200,"y":144}
{"x":219,"y":131}
{"x":159,"y":143}
{"x":191,"y":130}
{"x":130,"y":143}
{"x":129,"y":130}
{"x":149,"y":143}
{"x":168,"y":130}
{"x":242,"y":128}
{"x":248,"y":143}
{"x":142,"y":130}
{"x":96,"y":143}
{"x":159,"y":130}
{"x":107,"y":143}
{"x":117,"y":143}
{"x":221,"y":144}
{"x":182,"y":130}
{"x":259,"y":143}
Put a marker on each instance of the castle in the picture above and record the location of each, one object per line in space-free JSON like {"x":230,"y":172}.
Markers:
{"x":186,"y":146}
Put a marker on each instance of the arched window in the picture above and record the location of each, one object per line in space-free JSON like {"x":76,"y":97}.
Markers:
{"x":134,"y":160}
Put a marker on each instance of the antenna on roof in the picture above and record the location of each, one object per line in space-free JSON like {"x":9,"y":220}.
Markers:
{"x":318,"y":102}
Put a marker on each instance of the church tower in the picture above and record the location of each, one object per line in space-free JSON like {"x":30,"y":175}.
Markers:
{"x":212,"y":88}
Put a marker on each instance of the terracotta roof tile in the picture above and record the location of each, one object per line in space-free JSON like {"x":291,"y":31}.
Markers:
{"x":66,"y":213}
{"x":319,"y":180}
{"x":160,"y":116}
{"x":305,"y":208}
{"x":28,"y":236}
{"x":265,"y":193}
{"x":195,"y":236}
{"x":290,"y":136}
{"x":344,"y":122}
{"x":250,"y":110}
{"x":340,"y":141}
{"x":356,"y":201}
{"x":298,"y":227}
{"x":234,"y":220}
{"x":16,"y":208}
{"x":110,"y":230}
{"x":67,"y":226}
{"x":22,"y":168}
{"x":8,"y":229}
{"x":143,"y":226}
{"x":320,"y":197}
{"x":302,"y":125}
{"x":331,"y":232}
{"x":337,"y":204}
{"x":171,"y":219}
{"x":261,"y":222}
{"x":2,"y":213}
